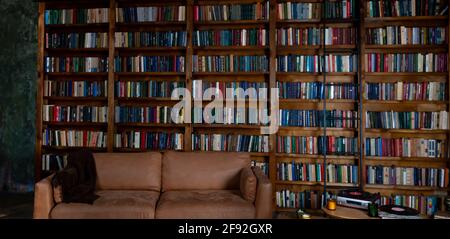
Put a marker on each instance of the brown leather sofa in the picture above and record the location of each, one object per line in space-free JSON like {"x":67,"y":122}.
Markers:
{"x":184,"y":185}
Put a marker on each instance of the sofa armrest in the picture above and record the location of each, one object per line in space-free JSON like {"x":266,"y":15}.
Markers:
{"x":263,"y":202}
{"x":43,"y":198}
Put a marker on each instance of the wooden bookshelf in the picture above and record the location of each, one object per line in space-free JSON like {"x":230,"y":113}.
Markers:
{"x":360,"y":23}
{"x":402,"y":105}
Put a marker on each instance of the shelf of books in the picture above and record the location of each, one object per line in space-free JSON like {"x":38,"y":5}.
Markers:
{"x":405,"y":101}
{"x":316,"y":73}
{"x":230,"y":64}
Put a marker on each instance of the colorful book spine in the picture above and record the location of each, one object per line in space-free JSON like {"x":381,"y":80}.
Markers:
{"x":53,"y":162}
{"x":76,"y":64}
{"x":75,"y":88}
{"x":298,"y":11}
{"x":313,"y":63}
{"x":149,"y":140}
{"x":305,"y":172}
{"x":230,"y":63}
{"x":415,"y":91}
{"x":239,"y":115}
{"x":340,"y":36}
{"x":405,"y":8}
{"x":149,"y":64}
{"x":151,"y":39}
{"x":249,"y":89}
{"x":231,"y":37}
{"x":74,"y":138}
{"x":404,"y":147}
{"x":151,"y":14}
{"x":76,"y":113}
{"x":426,"y":205}
{"x":409,"y":62}
{"x":341,"y":9}
{"x":76,"y":16}
{"x":315,"y":118}
{"x":76,"y":40}
{"x":311,"y":145}
{"x":307,"y":199}
{"x":230,"y":143}
{"x":146,"y":89}
{"x":430,"y":177}
{"x":231,"y":12}
{"x":149,"y":114}
{"x":317,"y":91}
{"x":407,"y":120}
{"x":402,"y":35}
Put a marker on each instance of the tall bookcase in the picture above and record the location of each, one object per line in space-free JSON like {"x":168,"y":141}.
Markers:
{"x":400,"y":103}
{"x":273,"y":50}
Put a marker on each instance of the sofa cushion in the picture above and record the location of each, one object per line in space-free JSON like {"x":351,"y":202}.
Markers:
{"x":248,"y":184}
{"x":110,"y":205}
{"x":128,"y":171}
{"x":202,"y":170}
{"x":204,"y":204}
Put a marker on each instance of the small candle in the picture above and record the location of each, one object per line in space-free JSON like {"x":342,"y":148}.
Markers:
{"x":331,"y":204}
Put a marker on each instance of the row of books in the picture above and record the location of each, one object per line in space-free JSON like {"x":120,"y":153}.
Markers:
{"x":249,"y":89}
{"x":74,"y":138}
{"x":404,"y":8}
{"x":431,"y":177}
{"x":76,"y":40}
{"x":407,"y":120}
{"x":341,"y":9}
{"x":53,"y":162}
{"x":422,"y":91}
{"x":316,"y":118}
{"x":230,"y":142}
{"x":151,"y":14}
{"x":312,"y":36}
{"x":69,"y":88}
{"x":151,"y":39}
{"x":426,"y":205}
{"x":307,"y":199}
{"x":313,"y":145}
{"x":402,"y":35}
{"x":405,"y":62}
{"x":76,"y":113}
{"x":76,"y":16}
{"x":149,"y":140}
{"x":335,"y":173}
{"x":315,"y":63}
{"x":317,"y":90}
{"x":76,"y":64}
{"x":298,"y":11}
{"x":148,"y":114}
{"x":404,"y":147}
{"x":149,"y":63}
{"x":232,"y":12}
{"x":230,"y":115}
{"x":230,"y":63}
{"x":143,"y":89}
{"x":264,"y":166}
{"x":231,"y":37}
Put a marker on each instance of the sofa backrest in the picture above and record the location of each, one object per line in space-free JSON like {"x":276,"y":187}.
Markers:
{"x":202,"y":170}
{"x":128,"y":171}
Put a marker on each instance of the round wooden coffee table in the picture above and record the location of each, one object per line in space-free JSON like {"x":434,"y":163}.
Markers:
{"x":347,"y":213}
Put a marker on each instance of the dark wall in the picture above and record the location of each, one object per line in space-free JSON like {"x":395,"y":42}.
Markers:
{"x":18,"y":47}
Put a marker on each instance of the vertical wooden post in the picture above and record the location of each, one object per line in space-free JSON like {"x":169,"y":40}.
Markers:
{"x":272,"y":84}
{"x":188,"y":68}
{"x":361,"y":81}
{"x":111,"y":75}
{"x":39,"y":91}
